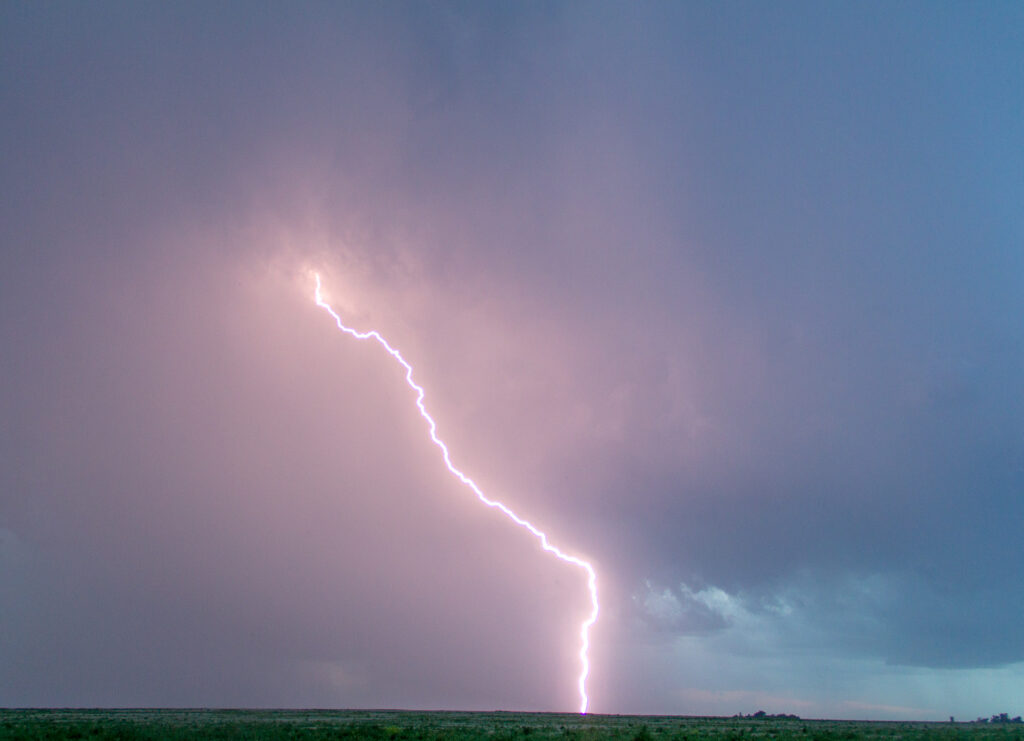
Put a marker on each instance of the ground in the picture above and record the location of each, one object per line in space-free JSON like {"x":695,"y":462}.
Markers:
{"x":270,"y":725}
{"x":398,"y":725}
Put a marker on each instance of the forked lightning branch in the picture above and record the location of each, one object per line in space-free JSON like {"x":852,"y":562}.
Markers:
{"x":521,"y":522}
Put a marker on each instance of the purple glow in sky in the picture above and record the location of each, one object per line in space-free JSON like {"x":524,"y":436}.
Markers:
{"x":728,"y":296}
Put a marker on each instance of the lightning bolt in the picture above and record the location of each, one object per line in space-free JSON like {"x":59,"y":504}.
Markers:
{"x":520,"y":521}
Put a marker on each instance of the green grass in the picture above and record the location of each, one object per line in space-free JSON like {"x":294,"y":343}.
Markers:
{"x":393,"y":725}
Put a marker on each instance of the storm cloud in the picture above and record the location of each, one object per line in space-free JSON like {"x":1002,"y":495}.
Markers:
{"x":729,"y":297}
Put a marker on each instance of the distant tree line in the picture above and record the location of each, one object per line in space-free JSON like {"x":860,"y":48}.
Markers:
{"x":762,"y":715}
{"x":1001,"y":718}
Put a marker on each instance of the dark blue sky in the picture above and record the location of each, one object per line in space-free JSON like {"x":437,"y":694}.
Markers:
{"x":729,"y":296}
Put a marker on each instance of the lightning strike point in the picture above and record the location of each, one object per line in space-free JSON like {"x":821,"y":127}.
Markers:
{"x":541,"y":537}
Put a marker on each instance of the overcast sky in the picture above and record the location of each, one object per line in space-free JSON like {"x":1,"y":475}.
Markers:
{"x":726,"y":296}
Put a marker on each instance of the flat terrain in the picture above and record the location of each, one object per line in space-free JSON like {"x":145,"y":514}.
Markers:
{"x":268,"y":725}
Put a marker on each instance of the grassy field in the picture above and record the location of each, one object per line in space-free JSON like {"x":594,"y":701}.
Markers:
{"x":273,"y":725}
